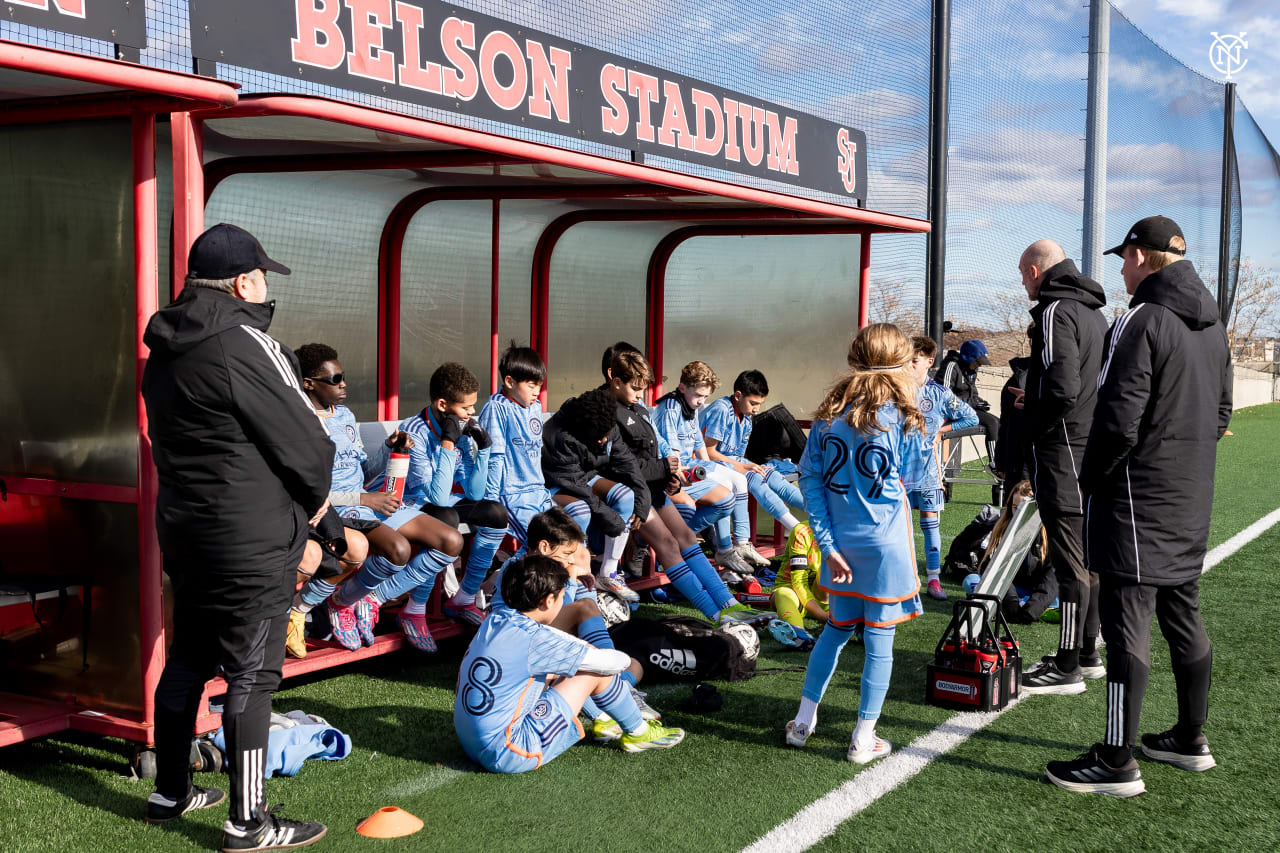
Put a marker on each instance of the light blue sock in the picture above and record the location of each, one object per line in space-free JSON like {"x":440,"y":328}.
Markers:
{"x":422,"y":593}
{"x":741,"y":518}
{"x":483,"y":547}
{"x":687,"y":582}
{"x":711,"y":513}
{"x":315,"y":591}
{"x":686,"y":511}
{"x":626,"y":676}
{"x":594,"y":632}
{"x":422,"y":569}
{"x":764,"y":491}
{"x":875,"y":670}
{"x":707,"y":576}
{"x":786,"y":490}
{"x":823,"y":660}
{"x":591,"y":709}
{"x":581,"y":513}
{"x":622,"y":500}
{"x":616,"y":701}
{"x":932,"y":546}
{"x":373,"y":572}
{"x":724,"y":528}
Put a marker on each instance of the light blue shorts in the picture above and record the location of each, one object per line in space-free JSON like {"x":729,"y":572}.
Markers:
{"x":927,"y":500}
{"x":545,"y":732}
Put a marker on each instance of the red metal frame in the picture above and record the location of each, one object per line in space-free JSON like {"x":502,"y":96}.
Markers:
{"x":188,"y":192}
{"x":78,"y":491}
{"x":864,"y":280}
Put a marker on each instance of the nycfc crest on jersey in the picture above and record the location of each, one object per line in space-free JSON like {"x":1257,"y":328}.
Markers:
{"x":939,"y":407}
{"x":348,"y":449}
{"x":516,"y":432}
{"x":721,"y":424}
{"x":683,"y":435}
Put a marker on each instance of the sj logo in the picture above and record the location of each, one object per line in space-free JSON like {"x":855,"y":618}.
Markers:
{"x":847,"y":160}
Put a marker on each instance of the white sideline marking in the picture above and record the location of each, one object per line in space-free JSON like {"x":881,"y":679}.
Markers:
{"x":433,"y":778}
{"x":822,"y":817}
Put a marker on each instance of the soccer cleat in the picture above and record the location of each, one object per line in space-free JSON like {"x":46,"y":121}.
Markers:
{"x":729,"y":576}
{"x":1045,"y":677}
{"x":414,"y":627}
{"x":295,"y":635}
{"x":1167,"y":748}
{"x":1089,"y":774}
{"x":748,"y":552}
{"x":647,"y":711}
{"x":789,"y":635}
{"x":274,"y":833}
{"x":161,"y":809}
{"x":639,"y":559}
{"x":468,"y":613}
{"x":878,"y":748}
{"x":367,"y":611}
{"x":744,"y":614}
{"x":1092,"y":666}
{"x":342,"y":620}
{"x":654,"y":736}
{"x":797,"y":734}
{"x":731,"y":561}
{"x":616,"y":586}
{"x":935,"y":590}
{"x":605,"y":729}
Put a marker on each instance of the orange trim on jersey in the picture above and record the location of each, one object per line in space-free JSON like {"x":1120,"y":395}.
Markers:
{"x":889,"y":624}
{"x":581,"y":732}
{"x":846,"y":623}
{"x":515,"y":718}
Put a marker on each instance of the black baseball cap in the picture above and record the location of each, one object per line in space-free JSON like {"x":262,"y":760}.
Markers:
{"x":225,"y":251}
{"x":1153,"y":233}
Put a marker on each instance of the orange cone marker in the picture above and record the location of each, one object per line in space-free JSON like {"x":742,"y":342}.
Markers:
{"x":389,"y":822}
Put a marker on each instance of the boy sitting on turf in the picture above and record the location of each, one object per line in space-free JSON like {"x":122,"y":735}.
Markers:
{"x":675,"y":419}
{"x":942,"y":412}
{"x":450,"y":449}
{"x":584,"y":458}
{"x":726,"y":429}
{"x":796,"y":593}
{"x":512,"y":419}
{"x":523,"y":681}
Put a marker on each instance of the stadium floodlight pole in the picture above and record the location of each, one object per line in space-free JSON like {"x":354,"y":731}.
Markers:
{"x":1095,"y":141}
{"x":1225,"y":295}
{"x":939,"y":85}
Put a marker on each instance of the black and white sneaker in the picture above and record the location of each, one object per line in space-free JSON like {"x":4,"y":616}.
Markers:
{"x":1045,"y":677}
{"x":1167,"y":748}
{"x":1092,"y":666}
{"x":274,"y":833}
{"x":161,"y":809}
{"x":1089,"y":774}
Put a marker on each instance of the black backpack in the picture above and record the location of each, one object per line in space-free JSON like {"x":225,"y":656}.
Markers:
{"x":775,"y":434}
{"x":967,"y":549}
{"x":683,"y":648}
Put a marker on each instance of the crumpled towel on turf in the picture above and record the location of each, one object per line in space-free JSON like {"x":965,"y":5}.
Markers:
{"x":287,"y":749}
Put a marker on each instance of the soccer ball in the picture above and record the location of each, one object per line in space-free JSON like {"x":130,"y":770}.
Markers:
{"x":746,"y":637}
{"x":971,"y":582}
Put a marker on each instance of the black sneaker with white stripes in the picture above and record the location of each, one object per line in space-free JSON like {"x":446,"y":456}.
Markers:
{"x":1167,"y":748}
{"x":1089,"y":774}
{"x":1092,"y":666}
{"x":1045,"y":677}
{"x":161,"y":809}
{"x":274,"y":833}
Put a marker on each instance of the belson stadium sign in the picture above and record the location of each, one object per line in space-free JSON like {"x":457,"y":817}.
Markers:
{"x":441,"y":56}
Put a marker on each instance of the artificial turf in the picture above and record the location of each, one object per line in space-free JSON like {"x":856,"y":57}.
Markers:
{"x":731,"y":780}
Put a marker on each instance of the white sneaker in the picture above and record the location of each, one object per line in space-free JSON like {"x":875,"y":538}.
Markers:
{"x":878,"y":748}
{"x":731,"y":561}
{"x":615,"y":585}
{"x":748,"y":552}
{"x":797,"y":734}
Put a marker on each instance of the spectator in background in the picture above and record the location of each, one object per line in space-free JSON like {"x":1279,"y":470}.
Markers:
{"x":959,"y":374}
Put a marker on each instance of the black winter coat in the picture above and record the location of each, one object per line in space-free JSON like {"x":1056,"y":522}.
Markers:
{"x":1062,"y":383}
{"x":637,"y":432}
{"x":1164,"y":400}
{"x":568,"y":464}
{"x":953,"y":375}
{"x":243,"y":461}
{"x":1013,"y":450}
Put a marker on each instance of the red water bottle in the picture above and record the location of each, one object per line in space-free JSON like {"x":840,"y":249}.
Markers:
{"x":397,"y":467}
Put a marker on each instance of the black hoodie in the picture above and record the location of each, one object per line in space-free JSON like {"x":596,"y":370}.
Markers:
{"x":1164,"y":400}
{"x":1062,"y":383}
{"x":243,"y":461}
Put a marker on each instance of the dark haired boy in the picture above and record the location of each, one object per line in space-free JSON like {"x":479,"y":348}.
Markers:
{"x":523,"y":681}
{"x":726,"y":429}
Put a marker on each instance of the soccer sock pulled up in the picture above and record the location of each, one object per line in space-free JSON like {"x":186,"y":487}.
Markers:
{"x":707,"y":576}
{"x":823,"y":660}
{"x":483,"y":547}
{"x":313,"y":593}
{"x":616,"y":701}
{"x":932,"y":546}
{"x":876,"y":671}
{"x":372,"y":573}
{"x":704,"y":515}
{"x":683,"y":578}
{"x":422,"y":569}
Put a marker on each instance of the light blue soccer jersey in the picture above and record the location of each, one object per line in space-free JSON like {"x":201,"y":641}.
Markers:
{"x":683,"y":436}
{"x":502,"y":678}
{"x":515,"y":460}
{"x":348,"y":449}
{"x":721,"y":424}
{"x":853,"y":487}
{"x":939,"y":407}
{"x":433,"y":471}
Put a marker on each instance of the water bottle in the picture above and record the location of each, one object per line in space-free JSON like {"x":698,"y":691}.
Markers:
{"x":397,"y":468}
{"x":697,"y":473}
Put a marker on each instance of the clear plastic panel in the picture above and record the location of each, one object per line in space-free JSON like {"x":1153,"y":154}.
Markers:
{"x":66,"y":236}
{"x":445,"y":287}
{"x":784,"y":305}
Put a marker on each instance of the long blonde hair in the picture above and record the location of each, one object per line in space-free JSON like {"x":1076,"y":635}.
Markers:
{"x":1022,"y":489}
{"x":879,"y":360}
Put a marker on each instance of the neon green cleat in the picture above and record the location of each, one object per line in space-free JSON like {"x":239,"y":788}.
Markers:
{"x":655,"y":736}
{"x":742,"y":613}
{"x":605,"y":729}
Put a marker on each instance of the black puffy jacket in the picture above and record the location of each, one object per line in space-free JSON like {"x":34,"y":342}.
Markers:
{"x":1164,"y":400}
{"x":957,"y":378}
{"x":568,"y":464}
{"x":1013,"y":450}
{"x":243,"y":461}
{"x":1062,"y":383}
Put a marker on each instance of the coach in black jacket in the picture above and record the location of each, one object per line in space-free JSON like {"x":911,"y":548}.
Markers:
{"x":243,"y":465}
{"x":1164,"y":400}
{"x":1061,"y":389}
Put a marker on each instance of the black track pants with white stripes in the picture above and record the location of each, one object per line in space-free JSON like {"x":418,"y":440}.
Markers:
{"x":1077,"y":586}
{"x":1126,"y":610}
{"x":250,"y":657}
